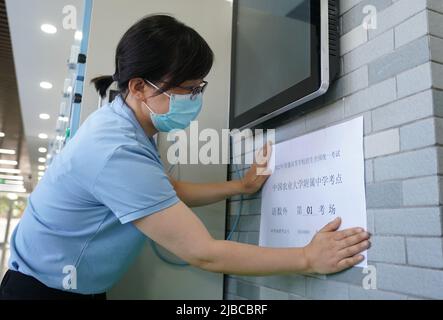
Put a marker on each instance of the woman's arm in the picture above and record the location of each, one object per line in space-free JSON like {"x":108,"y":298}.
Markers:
{"x":201,"y":194}
{"x":180,"y":231}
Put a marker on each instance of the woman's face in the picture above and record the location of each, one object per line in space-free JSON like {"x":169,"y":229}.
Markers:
{"x":159,"y":103}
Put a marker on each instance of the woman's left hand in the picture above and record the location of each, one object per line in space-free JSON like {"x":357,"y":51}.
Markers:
{"x":257,"y":175}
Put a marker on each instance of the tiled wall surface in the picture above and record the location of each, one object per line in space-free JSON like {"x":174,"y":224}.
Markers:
{"x":393,"y":77}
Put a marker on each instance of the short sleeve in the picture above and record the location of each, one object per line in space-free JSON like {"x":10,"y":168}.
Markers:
{"x":133,"y":184}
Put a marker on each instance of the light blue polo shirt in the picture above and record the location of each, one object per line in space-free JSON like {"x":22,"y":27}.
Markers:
{"x":79,"y":215}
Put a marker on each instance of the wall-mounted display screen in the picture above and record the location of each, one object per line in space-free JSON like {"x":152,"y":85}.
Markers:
{"x":277,"y":57}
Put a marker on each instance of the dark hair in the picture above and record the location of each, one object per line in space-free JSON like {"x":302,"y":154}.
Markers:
{"x":158,"y":48}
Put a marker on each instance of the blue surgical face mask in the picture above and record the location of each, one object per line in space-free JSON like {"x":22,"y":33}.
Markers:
{"x":183,"y":108}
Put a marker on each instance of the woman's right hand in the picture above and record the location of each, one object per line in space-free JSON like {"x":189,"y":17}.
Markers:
{"x":332,"y":251}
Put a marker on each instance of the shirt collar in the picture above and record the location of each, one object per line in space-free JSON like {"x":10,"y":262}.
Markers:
{"x":120,"y":106}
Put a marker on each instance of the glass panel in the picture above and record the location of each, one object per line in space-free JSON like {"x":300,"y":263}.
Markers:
{"x":272,"y":49}
{"x":11,"y":210}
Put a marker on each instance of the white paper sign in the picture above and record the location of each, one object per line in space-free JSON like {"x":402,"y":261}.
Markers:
{"x":316,"y":178}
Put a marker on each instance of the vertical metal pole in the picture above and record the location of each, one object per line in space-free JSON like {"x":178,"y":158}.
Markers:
{"x":81,"y":67}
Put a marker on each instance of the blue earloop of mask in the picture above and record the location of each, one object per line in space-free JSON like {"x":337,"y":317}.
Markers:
{"x":183,"y":108}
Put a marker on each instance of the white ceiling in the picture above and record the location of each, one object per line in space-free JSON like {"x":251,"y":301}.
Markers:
{"x":40,"y":57}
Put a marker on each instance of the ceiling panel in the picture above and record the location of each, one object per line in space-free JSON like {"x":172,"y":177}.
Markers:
{"x":40,"y":57}
{"x":10,"y":113}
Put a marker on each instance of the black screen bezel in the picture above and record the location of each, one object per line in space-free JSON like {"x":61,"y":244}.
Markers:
{"x":294,"y":93}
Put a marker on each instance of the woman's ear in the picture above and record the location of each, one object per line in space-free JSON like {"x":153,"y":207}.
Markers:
{"x":137,"y":88}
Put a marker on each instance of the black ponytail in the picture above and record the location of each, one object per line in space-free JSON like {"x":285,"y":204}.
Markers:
{"x":102,"y":84}
{"x":158,"y":48}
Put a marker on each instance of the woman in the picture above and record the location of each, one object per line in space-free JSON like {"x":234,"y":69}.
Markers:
{"x":107,"y":190}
